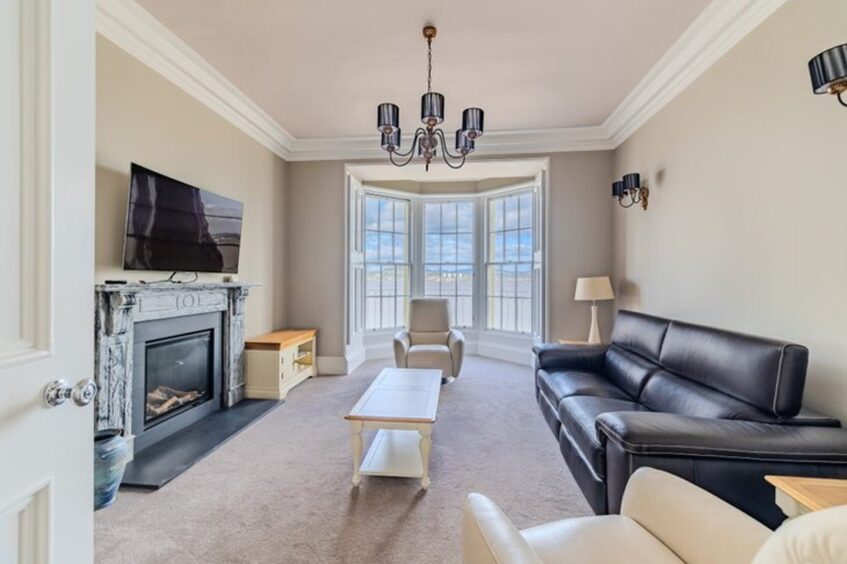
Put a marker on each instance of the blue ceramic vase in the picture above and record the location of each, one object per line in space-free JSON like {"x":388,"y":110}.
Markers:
{"x":111,"y":453}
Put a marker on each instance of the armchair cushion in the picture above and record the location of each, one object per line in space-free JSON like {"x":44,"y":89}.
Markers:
{"x":815,"y":537}
{"x":431,"y":356}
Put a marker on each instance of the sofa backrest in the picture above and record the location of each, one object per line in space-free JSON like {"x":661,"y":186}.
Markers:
{"x":765,"y":373}
{"x":640,"y":333}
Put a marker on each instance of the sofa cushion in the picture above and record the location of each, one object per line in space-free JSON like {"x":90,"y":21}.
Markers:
{"x":566,"y":383}
{"x":672,"y":393}
{"x":766,"y":373}
{"x":640,"y":333}
{"x":577,"y":415}
{"x":628,"y":370}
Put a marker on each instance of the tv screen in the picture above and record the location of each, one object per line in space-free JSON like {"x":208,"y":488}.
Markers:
{"x":173,"y":226}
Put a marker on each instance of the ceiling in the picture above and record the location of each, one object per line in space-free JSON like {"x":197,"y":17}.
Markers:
{"x":319,"y":68}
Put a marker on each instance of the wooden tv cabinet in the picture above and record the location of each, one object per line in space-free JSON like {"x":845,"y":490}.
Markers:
{"x":276,"y":362}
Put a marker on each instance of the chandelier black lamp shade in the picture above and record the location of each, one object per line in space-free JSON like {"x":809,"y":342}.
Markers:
{"x":629,"y":191}
{"x":388,"y":118}
{"x":828,"y":71}
{"x":427,"y":139}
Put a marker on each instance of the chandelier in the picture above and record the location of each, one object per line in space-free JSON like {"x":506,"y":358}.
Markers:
{"x":426,"y":140}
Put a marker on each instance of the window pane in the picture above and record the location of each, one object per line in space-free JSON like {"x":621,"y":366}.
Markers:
{"x":526,"y":210}
{"x":464,"y":311}
{"x":432,"y":249}
{"x":386,"y":215}
{"x":401,"y":311}
{"x":465,"y":251}
{"x":403,"y":281}
{"x":464,"y":280}
{"x":432,"y":218}
{"x":465,"y":217}
{"x":448,"y":218}
{"x":525,"y":245}
{"x":371,"y":213}
{"x":448,"y":248}
{"x":386,"y":245}
{"x":511,"y":212}
{"x":432,"y":281}
{"x":525,"y":315}
{"x":388,"y":312}
{"x":373,"y":280}
{"x":524,"y":281}
{"x":372,"y":246}
{"x":509,"y":312}
{"x":497,"y":223}
{"x":448,"y":280}
{"x":399,"y":248}
{"x":497,"y":254}
{"x":511,"y":238}
{"x":372,"y":313}
{"x":509,"y":280}
{"x":388,"y":281}
{"x":400,"y":217}
{"x":495,"y":280}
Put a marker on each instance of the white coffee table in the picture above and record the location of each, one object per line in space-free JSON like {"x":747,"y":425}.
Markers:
{"x":401,"y":404}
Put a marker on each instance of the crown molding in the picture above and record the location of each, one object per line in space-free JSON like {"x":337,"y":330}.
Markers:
{"x":132,"y":28}
{"x":720,"y":26}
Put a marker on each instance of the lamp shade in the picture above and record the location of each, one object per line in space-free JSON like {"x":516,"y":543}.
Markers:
{"x":473,"y":122}
{"x":432,"y":108}
{"x":388,"y":118}
{"x":632,"y":181}
{"x":464,"y":145}
{"x":593,"y":288}
{"x":828,"y":68}
{"x":617,"y":188}
{"x":391,"y":142}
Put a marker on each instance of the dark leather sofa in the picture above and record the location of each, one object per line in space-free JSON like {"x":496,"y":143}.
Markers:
{"x":718,"y":408}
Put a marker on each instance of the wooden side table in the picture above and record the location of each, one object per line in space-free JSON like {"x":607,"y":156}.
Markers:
{"x":276,"y":362}
{"x":798,"y":495}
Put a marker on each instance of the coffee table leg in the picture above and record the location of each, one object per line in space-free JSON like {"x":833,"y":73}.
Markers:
{"x":356,"y":445}
{"x":425,"y":446}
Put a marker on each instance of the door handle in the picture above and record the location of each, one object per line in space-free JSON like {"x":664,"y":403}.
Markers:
{"x":59,"y":391}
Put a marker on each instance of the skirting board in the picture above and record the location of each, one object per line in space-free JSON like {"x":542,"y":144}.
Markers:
{"x":332,"y":365}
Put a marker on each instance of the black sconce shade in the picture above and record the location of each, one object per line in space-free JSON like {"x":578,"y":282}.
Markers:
{"x":473,"y":122}
{"x":829,"y":69}
{"x":632,"y":181}
{"x":617,"y":189}
{"x":387,"y":118}
{"x":432,"y":108}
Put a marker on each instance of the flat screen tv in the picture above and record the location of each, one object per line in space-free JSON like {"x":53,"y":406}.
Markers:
{"x":173,"y":226}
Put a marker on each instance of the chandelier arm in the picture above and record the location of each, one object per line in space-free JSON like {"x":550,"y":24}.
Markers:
{"x":840,"y":99}
{"x":444,"y":150}
{"x":447,"y":162}
{"x":629,"y":205}
{"x":404,"y":163}
{"x":414,"y":142}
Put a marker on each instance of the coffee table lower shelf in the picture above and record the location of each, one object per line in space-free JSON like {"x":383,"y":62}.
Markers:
{"x":394,"y":453}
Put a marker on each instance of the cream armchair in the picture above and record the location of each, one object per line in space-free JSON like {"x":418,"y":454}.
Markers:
{"x":663,"y":519}
{"x":430,"y":342}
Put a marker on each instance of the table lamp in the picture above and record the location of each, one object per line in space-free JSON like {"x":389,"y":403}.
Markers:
{"x":591,"y":290}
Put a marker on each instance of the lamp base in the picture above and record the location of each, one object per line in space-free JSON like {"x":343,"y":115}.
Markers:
{"x":594,"y":332}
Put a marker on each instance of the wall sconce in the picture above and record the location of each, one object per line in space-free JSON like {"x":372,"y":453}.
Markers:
{"x":630,"y":187}
{"x":829,"y":72}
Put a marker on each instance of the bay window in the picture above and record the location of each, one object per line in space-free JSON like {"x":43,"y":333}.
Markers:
{"x":387,"y":265}
{"x":448,"y":256}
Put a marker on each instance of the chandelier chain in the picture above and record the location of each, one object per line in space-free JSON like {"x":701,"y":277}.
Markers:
{"x":429,"y":64}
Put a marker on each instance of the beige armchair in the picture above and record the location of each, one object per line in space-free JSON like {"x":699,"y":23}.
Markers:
{"x":430,"y":342}
{"x":663,"y":519}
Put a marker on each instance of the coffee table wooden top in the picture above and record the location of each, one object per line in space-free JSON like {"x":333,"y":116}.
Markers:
{"x":405,"y":395}
{"x":813,"y":493}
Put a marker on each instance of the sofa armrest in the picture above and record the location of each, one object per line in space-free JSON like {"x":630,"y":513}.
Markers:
{"x":402,"y":343}
{"x":590,"y":358}
{"x":672,"y":434}
{"x":728,"y":458}
{"x":689,"y":520}
{"x":489,"y":537}
{"x":456,"y":344}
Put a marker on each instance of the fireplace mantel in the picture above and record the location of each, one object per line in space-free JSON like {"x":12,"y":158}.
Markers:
{"x":120,"y":306}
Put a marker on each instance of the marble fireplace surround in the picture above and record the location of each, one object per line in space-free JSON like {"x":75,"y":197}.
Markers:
{"x":120,"y":306}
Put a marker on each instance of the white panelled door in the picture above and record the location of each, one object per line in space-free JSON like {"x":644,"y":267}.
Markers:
{"x":47,"y":72}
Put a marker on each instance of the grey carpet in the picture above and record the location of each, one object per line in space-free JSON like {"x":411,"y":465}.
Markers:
{"x":280,"y":491}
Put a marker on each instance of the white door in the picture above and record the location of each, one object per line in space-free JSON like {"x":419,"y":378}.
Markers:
{"x":47,"y":74}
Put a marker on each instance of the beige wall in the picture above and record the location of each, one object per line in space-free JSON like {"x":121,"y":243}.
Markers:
{"x":580,"y":233}
{"x":746,"y":226}
{"x":142,"y":117}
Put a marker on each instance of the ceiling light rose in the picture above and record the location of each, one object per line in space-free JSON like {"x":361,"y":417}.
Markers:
{"x":426,"y":140}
